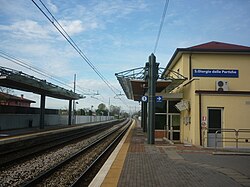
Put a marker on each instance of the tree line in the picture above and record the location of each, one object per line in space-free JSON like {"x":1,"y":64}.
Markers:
{"x":102,"y":110}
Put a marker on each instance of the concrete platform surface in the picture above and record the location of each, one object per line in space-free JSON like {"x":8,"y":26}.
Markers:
{"x":138,"y":164}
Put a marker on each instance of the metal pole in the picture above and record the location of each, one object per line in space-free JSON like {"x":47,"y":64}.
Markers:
{"x":167,"y":122}
{"x":70,"y":112}
{"x":144,"y":116}
{"x":42,"y":111}
{"x":109,"y":108}
{"x":74,"y":102}
{"x":151,"y":96}
{"x":200,"y":117}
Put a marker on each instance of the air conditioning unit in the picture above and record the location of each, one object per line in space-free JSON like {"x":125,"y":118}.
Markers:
{"x":221,"y":85}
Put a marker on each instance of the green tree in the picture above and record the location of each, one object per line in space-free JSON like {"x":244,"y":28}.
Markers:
{"x":124,"y":114}
{"x":102,"y":106}
{"x":102,"y":110}
{"x":115,"y":110}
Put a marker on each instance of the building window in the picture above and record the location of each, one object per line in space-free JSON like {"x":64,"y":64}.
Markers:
{"x":160,"y":121}
{"x":161,"y":107}
{"x":214,"y":120}
{"x":172,"y":108}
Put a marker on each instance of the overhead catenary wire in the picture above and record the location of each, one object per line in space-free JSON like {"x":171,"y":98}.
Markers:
{"x":161,"y":24}
{"x":62,"y":31}
{"x":43,"y":73}
{"x":38,"y":71}
{"x":26,"y":65}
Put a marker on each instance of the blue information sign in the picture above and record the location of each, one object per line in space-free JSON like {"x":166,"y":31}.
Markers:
{"x":144,"y":98}
{"x":231,"y":73}
{"x":158,"y":99}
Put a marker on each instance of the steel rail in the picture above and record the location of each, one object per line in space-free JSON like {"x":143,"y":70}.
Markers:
{"x":45,"y":174}
{"x":56,"y":140}
{"x":114,"y":142}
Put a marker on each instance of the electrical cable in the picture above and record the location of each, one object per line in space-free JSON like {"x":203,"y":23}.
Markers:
{"x":72,"y":43}
{"x":25,"y":65}
{"x":161,"y":24}
{"x":37,"y":70}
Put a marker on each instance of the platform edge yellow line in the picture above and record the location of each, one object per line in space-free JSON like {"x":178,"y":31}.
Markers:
{"x":110,"y":172}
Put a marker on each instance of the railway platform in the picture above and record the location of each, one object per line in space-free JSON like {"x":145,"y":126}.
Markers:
{"x":10,"y":136}
{"x":15,"y":135}
{"x":134,"y":163}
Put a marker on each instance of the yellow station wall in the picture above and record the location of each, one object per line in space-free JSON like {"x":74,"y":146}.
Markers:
{"x":236,"y":113}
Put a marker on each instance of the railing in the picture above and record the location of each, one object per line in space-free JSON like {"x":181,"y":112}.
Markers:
{"x":237,"y":137}
{"x":225,"y":139}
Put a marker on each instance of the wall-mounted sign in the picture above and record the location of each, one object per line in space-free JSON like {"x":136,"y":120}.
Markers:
{"x":232,"y":73}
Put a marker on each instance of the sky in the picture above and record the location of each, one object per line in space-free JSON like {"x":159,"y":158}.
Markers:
{"x":115,"y":35}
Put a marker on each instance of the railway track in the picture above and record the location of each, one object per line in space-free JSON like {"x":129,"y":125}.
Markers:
{"x":66,"y":171}
{"x":83,"y":179}
{"x":14,"y":152}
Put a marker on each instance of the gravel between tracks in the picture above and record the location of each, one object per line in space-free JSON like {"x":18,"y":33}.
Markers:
{"x":19,"y":173}
{"x":66,"y":175}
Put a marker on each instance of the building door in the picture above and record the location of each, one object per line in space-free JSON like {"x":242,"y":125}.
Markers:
{"x":174,"y":127}
{"x":214,"y":124}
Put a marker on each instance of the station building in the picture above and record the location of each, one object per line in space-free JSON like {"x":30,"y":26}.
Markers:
{"x":11,"y":100}
{"x":214,"y":100}
{"x":205,"y":93}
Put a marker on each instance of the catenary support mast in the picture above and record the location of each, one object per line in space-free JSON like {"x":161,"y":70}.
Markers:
{"x":152,"y":78}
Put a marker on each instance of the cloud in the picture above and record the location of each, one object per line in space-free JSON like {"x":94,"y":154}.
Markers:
{"x":111,"y":11}
{"x":118,"y":8}
{"x":26,"y":29}
{"x":16,"y":10}
{"x":76,"y":26}
{"x":29,"y":29}
{"x":92,"y":84}
{"x":101,"y":12}
{"x":52,"y":7}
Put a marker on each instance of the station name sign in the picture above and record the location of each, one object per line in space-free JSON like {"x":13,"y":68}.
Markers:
{"x":232,"y":73}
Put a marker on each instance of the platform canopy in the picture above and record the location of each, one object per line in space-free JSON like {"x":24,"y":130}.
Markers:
{"x":18,"y":80}
{"x":134,"y":84}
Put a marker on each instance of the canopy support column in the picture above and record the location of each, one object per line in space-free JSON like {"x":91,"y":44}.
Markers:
{"x":42,"y":111}
{"x":152,"y":78}
{"x":70,"y":112}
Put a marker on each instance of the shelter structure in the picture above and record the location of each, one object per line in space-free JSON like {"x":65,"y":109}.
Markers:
{"x":18,"y":80}
{"x":136,"y":87}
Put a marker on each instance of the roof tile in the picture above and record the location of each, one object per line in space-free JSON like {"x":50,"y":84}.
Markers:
{"x":218,"y":46}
